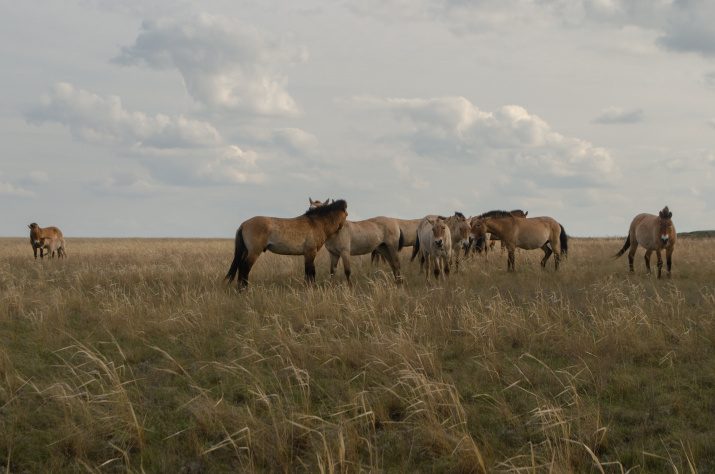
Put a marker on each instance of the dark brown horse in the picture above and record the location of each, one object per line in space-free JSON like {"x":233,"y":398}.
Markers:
{"x":302,"y":235}
{"x":37,"y":233}
{"x":653,"y":233}
{"x":526,"y":233}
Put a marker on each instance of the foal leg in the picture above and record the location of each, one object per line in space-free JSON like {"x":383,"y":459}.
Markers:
{"x":647,"y":260}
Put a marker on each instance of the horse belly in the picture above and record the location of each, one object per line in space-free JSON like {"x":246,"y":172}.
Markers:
{"x":647,"y":237}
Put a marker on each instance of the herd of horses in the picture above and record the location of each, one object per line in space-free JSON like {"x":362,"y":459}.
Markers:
{"x":436,"y":240}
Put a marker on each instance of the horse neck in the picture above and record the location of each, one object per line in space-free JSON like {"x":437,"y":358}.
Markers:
{"x":330,"y":223}
{"x":496,"y":226}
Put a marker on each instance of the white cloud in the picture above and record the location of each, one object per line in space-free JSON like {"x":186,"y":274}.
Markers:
{"x":613,"y":114}
{"x":100,"y":120}
{"x":295,"y":141}
{"x":7,"y":189}
{"x":177,"y":150}
{"x":224,"y":64}
{"x":453,"y":128}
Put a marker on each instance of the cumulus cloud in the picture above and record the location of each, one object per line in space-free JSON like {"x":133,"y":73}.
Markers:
{"x":177,"y":150}
{"x":614,"y":114}
{"x":102,"y":120}
{"x":225,"y":65}
{"x":454,"y":128}
{"x":8,"y":189}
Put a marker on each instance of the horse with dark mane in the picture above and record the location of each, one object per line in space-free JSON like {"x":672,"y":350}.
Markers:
{"x":527,"y":233}
{"x":654,"y":233}
{"x":302,"y":235}
{"x":37,"y":233}
{"x":487,"y":243}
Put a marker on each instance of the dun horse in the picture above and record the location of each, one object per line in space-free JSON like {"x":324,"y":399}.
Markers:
{"x":487,"y":243}
{"x":434,"y":244}
{"x":653,"y":233}
{"x":302,"y":235}
{"x":526,"y":233}
{"x":37,"y":233}
{"x":379,"y":235}
{"x":54,"y":244}
{"x":408,"y":229}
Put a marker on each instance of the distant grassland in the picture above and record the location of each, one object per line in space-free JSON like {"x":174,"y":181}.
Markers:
{"x":698,"y":234}
{"x":133,"y":355}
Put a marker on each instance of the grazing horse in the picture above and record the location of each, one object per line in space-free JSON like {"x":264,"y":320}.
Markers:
{"x":37,"y":233}
{"x":488,"y":242}
{"x":434,"y":244}
{"x":653,"y":233}
{"x":379,"y":235}
{"x":302,"y":235}
{"x":526,"y":233}
{"x":54,"y":244}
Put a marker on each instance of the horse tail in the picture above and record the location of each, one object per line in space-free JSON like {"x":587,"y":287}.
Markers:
{"x":374,"y":257}
{"x":238,"y":256}
{"x":415,"y":248}
{"x":564,"y":241}
{"x":625,"y":246}
{"x":401,"y":242}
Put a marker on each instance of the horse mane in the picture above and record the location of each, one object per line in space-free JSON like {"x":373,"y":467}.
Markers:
{"x":517,"y":213}
{"x":497,"y":214}
{"x":460,"y":215}
{"x":340,"y":204}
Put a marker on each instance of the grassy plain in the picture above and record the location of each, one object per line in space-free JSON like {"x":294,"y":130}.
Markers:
{"x":133,"y":355}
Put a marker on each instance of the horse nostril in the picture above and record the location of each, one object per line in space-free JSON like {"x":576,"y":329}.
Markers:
{"x":438,"y":242}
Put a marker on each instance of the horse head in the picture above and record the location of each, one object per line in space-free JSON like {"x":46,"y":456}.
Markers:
{"x":440,"y":233}
{"x":314,"y":204}
{"x":666,"y":224}
{"x":461,"y":227}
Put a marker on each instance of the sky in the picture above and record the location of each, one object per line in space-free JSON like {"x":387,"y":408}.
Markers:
{"x":175,"y":118}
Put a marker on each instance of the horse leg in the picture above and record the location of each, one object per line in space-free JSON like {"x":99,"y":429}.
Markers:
{"x":660,"y":262}
{"x":647,"y":260}
{"x":334,"y":259}
{"x":632,"y":253}
{"x":310,"y":265}
{"x":436,"y":265}
{"x":510,"y":260}
{"x":244,"y":268}
{"x":668,"y":254}
{"x":345,"y":257}
{"x":446,"y":267}
{"x":547,"y":253}
{"x":392,"y":257}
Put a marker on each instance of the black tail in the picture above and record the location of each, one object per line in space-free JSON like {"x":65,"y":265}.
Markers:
{"x":625,"y":246}
{"x":239,"y":255}
{"x":416,"y":248}
{"x":564,"y":241}
{"x":402,"y":241}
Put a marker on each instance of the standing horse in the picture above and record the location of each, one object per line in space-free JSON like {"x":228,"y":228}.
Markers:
{"x":37,"y":233}
{"x":526,"y":233}
{"x":302,"y":235}
{"x":434,"y":244}
{"x":408,"y":229}
{"x":653,"y":233}
{"x":379,"y":235}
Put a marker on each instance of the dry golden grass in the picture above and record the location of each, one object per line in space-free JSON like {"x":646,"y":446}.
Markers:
{"x":133,"y":355}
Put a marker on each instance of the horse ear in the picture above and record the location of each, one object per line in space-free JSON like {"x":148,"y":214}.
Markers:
{"x":332,"y":201}
{"x":526,"y":213}
{"x":670,"y":214}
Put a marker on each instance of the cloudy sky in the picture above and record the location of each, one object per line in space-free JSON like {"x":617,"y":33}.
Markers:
{"x":184,"y":118}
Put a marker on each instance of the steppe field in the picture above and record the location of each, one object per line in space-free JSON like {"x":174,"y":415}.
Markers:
{"x":133,"y":355}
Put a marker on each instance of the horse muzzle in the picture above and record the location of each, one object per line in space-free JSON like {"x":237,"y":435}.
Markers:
{"x":439,"y":243}
{"x":664,"y":239}
{"x":467,"y":243}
